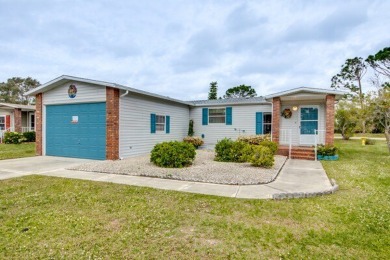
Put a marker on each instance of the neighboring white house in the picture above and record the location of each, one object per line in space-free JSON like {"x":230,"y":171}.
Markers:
{"x":85,"y":118}
{"x":16,"y":117}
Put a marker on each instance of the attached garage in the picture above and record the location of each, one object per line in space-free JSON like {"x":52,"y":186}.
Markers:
{"x":76,"y":130}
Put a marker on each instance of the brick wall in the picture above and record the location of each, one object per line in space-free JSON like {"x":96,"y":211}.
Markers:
{"x":18,"y":120}
{"x":329,"y":119}
{"x":276,"y":119}
{"x":112,"y":123}
{"x":38,"y":124}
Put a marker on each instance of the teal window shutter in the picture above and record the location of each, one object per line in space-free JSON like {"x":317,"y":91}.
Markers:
{"x":259,"y":123}
{"x":167,"y":124}
{"x":229,"y":117}
{"x":153,"y":123}
{"x":205,"y":116}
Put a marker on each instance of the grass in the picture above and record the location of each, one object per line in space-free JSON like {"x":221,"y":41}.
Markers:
{"x":368,"y":135}
{"x":45,"y":217}
{"x":11,"y":151}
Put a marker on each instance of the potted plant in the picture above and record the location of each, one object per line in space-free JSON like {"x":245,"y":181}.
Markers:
{"x":327,"y":152}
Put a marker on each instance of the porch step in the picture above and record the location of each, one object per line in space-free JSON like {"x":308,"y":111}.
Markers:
{"x":303,"y":153}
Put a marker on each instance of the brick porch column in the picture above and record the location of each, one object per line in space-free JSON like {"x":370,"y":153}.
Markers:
{"x":18,"y":120}
{"x":276,"y":119}
{"x":38,"y":124}
{"x":329,"y":119}
{"x":112,"y":123}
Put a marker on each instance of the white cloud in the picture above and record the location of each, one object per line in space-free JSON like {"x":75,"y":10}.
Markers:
{"x":177,"y":48}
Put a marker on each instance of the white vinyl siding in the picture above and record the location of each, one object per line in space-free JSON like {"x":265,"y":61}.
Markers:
{"x":86,"y":93}
{"x":135,"y":137}
{"x":293,"y":123}
{"x":243,"y":123}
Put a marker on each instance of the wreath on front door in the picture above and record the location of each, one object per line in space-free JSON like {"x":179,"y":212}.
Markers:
{"x":286,"y":113}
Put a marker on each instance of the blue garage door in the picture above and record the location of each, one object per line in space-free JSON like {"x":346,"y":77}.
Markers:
{"x":77,"y":130}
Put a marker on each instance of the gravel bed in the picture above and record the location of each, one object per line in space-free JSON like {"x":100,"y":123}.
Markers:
{"x":204,"y":169}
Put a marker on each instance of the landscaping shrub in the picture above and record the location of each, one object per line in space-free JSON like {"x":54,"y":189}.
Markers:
{"x":228,"y":150}
{"x":173,"y":154}
{"x":271,"y":145}
{"x":370,"y":141}
{"x":194,"y":140}
{"x":327,"y":150}
{"x":254,"y":139}
{"x":13,"y":138}
{"x":191,"y":128}
{"x":29,"y":136}
{"x":260,"y":156}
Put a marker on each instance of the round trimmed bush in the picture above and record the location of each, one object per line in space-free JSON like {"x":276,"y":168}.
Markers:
{"x":173,"y":154}
{"x":228,"y":150}
{"x":261,"y":156}
{"x":271,"y":145}
{"x":13,"y":138}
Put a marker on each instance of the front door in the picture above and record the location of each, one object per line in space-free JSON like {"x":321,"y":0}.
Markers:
{"x":308,"y":124}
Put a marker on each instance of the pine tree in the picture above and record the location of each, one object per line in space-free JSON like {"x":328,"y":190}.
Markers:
{"x":213,"y":90}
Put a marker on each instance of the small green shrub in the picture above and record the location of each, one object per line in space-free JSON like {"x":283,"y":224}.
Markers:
{"x":194,"y":140}
{"x":254,"y":139}
{"x":29,"y":136}
{"x":260,"y":156}
{"x":327,"y":150}
{"x":13,"y":138}
{"x":191,"y":128}
{"x":228,"y":150}
{"x":271,"y":145}
{"x":173,"y":154}
{"x":370,"y":141}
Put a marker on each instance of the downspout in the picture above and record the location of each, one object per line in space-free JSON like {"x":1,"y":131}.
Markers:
{"x":121,"y":96}
{"x":127,"y":92}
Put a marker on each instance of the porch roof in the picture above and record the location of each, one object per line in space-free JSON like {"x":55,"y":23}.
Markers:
{"x":310,"y":92}
{"x":13,"y":106}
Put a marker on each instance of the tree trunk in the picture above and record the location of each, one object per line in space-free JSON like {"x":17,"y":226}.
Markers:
{"x":387,"y":134}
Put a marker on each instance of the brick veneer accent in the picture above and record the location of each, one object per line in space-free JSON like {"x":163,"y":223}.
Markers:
{"x":38,"y":124}
{"x":329,"y":119}
{"x":276,"y":119}
{"x":112,"y":123}
{"x":18,"y":120}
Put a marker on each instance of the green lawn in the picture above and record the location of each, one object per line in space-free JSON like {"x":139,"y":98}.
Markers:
{"x":43,"y":217}
{"x":11,"y":151}
{"x":368,"y":135}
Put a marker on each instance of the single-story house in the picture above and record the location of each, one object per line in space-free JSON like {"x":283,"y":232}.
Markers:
{"x":84,"y":118}
{"x":16,"y":117}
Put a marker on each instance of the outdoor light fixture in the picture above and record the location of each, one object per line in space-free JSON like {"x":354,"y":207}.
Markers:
{"x":295,"y":108}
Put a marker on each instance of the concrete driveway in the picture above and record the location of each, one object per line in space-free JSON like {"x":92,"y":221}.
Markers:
{"x":298,"y":178}
{"x":34,"y":165}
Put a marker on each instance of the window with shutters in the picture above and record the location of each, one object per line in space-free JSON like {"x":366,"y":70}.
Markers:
{"x":217,"y":115}
{"x":160,"y":123}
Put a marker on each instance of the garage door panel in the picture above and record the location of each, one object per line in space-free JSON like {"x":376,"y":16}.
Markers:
{"x":84,"y":139}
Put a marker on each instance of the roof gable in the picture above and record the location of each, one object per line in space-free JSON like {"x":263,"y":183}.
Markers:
{"x":305,"y":91}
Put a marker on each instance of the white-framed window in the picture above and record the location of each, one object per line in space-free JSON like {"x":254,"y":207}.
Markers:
{"x":217,"y":115}
{"x":267,"y":123}
{"x":32,"y":121}
{"x":2,"y":122}
{"x":160,"y":123}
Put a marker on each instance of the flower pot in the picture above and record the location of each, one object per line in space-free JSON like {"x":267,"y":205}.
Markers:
{"x":328,"y":157}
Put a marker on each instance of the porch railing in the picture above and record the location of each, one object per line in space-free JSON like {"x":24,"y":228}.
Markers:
{"x":286,"y":138}
{"x":28,"y":129}
{"x":318,"y":135}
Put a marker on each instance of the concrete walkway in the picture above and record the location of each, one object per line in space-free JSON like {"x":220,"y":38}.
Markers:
{"x":297,"y":176}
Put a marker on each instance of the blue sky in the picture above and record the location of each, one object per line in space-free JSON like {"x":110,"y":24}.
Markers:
{"x":176,"y":48}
